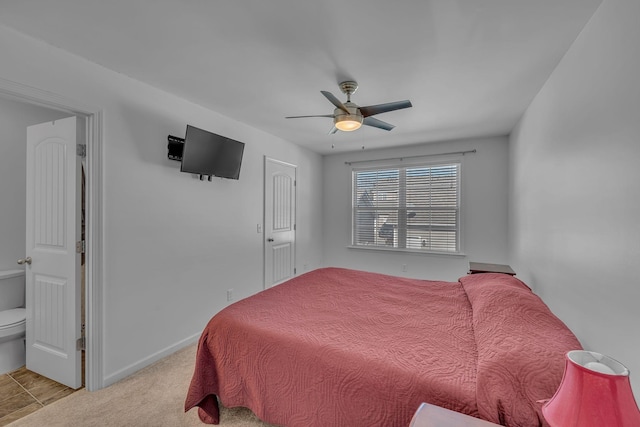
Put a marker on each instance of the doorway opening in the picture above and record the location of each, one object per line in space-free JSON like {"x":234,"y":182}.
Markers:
{"x":92,"y":257}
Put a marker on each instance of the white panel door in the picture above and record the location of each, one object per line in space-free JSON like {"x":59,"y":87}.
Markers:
{"x":280,"y":221}
{"x":53,"y":228}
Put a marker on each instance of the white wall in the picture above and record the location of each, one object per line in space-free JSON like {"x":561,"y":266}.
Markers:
{"x":484,"y":211}
{"x":173,"y":244}
{"x":575,"y":194}
{"x":14,"y":118}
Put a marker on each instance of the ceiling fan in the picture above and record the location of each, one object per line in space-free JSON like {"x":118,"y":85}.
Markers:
{"x":349,"y":116}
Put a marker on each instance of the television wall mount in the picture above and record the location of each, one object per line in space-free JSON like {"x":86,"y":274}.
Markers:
{"x":175,"y":147}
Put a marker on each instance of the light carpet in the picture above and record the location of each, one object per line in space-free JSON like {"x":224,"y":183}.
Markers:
{"x":153,"y":396}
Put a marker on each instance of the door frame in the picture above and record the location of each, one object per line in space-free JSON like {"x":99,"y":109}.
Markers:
{"x":93,"y":217}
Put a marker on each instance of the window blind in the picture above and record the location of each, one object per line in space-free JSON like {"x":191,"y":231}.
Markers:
{"x":414,"y":207}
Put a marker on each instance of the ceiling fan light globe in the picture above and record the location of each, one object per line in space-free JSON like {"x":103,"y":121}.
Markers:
{"x":348,"y":123}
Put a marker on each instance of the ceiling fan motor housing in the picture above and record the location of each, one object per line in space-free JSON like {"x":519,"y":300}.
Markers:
{"x":348,"y":122}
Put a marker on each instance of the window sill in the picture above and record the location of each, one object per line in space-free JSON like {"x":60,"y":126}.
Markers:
{"x":404,"y":250}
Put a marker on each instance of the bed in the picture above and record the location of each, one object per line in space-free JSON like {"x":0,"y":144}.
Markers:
{"x":341,"y":347}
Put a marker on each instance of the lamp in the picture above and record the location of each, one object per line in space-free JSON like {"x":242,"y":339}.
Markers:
{"x":594,"y":392}
{"x":348,"y":122}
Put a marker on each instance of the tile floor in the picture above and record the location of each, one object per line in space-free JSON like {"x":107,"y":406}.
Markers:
{"x":23,"y":392}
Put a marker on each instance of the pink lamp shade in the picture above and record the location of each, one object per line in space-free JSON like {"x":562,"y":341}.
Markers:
{"x":595,"y":392}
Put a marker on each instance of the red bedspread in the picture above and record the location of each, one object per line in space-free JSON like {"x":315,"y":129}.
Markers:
{"x":338,"y":347}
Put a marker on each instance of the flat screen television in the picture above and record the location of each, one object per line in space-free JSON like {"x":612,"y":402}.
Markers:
{"x":209,"y":154}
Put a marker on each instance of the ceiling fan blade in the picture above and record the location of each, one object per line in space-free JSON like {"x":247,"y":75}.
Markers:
{"x":371,"y":121}
{"x":335,"y":101}
{"x":301,"y":117}
{"x":383,"y":108}
{"x":333,"y":130}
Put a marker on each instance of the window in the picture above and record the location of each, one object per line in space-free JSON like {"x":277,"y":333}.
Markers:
{"x":413,"y":207}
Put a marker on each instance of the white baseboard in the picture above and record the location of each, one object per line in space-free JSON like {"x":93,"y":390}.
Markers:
{"x":135,"y":367}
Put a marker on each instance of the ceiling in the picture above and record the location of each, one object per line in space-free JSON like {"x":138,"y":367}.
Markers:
{"x":469,"y":67}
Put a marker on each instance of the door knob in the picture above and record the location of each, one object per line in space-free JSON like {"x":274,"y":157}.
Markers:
{"x":26,"y":260}
{"x":269,"y":239}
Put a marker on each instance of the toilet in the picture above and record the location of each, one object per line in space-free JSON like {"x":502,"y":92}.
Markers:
{"x":12,"y":320}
